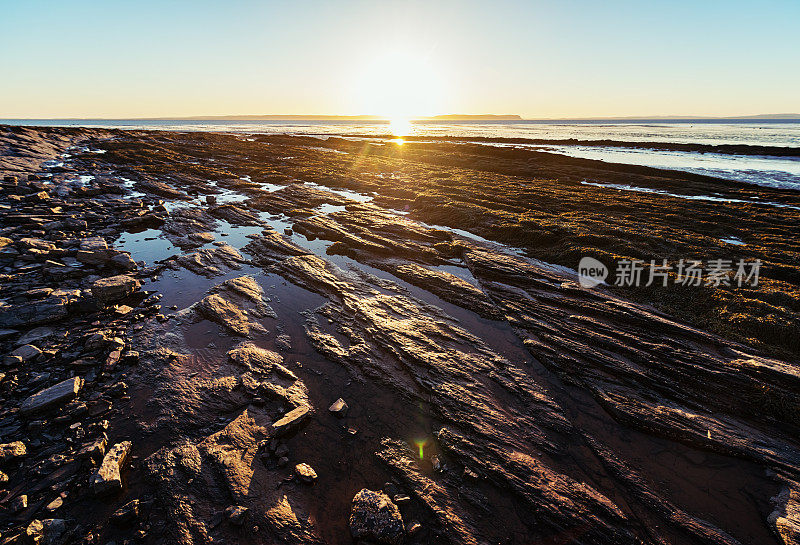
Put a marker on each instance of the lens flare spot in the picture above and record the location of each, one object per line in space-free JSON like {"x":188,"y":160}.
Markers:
{"x":421,"y":447}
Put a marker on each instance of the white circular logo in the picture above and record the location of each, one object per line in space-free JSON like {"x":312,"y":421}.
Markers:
{"x":591,"y":272}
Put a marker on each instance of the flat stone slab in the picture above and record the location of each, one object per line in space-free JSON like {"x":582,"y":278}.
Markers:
{"x":53,"y":396}
{"x":26,"y":352}
{"x":291,"y":420}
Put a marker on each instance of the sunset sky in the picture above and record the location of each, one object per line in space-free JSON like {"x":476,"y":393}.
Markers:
{"x":536,"y":59}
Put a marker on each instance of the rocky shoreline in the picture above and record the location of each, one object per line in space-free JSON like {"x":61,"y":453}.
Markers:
{"x":271,"y":339}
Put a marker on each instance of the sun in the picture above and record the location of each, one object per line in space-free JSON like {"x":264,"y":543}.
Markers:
{"x":399,"y":84}
{"x":400,"y":126}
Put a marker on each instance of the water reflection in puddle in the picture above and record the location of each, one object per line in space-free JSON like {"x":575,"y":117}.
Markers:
{"x":711,"y":198}
{"x":347,"y":193}
{"x":149,"y":245}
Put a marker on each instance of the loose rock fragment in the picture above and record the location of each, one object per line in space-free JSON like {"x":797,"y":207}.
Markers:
{"x":291,"y":420}
{"x":46,"y":532}
{"x":55,"y":504}
{"x":55,"y":395}
{"x":10,"y":451}
{"x":19,"y":503}
{"x":27,"y":352}
{"x":375,"y":517}
{"x":108,"y":478}
{"x":305,"y":473}
{"x":126,"y":514}
{"x":235,"y":514}
{"x":339,"y":408}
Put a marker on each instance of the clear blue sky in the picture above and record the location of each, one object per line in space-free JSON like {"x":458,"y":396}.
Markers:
{"x":536,"y":59}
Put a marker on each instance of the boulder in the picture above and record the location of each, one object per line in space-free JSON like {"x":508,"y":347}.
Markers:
{"x":53,"y":396}
{"x":114,"y":288}
{"x":375,"y":517}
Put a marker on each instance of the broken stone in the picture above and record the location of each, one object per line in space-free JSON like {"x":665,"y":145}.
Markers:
{"x":19,"y":503}
{"x":108,"y":478}
{"x":254,"y":358}
{"x":94,"y":251}
{"x":119,"y":389}
{"x":401,"y":499}
{"x":11,"y":451}
{"x":305,"y":473}
{"x":235,"y":514}
{"x":282,"y":371}
{"x":51,"y":397}
{"x":36,"y":334}
{"x":46,"y":532}
{"x":339,"y":408}
{"x":130,"y":357}
{"x":13,"y":361}
{"x":94,"y":451}
{"x":291,"y":420}
{"x":126,"y":514}
{"x":55,"y":504}
{"x":122,"y":310}
{"x":375,"y":517}
{"x":27,"y":352}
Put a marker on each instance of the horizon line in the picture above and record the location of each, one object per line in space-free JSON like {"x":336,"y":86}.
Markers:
{"x":443,"y":117}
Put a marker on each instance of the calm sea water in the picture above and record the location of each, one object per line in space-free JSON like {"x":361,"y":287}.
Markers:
{"x":761,"y":170}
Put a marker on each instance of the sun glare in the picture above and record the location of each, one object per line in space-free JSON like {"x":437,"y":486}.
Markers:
{"x":399,"y":84}
{"x":400,"y":126}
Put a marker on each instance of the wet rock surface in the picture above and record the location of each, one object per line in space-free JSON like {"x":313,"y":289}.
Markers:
{"x":214,"y":339}
{"x":376,"y":518}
